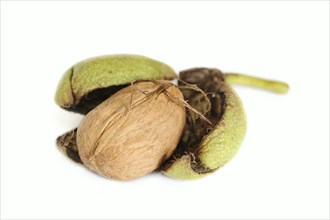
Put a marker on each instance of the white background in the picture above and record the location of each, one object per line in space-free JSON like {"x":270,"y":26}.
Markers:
{"x":282,"y":169}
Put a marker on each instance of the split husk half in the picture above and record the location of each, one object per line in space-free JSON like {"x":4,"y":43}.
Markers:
{"x":89,"y":82}
{"x":207,"y":145}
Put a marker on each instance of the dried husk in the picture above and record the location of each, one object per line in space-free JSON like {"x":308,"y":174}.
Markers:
{"x":134,"y":131}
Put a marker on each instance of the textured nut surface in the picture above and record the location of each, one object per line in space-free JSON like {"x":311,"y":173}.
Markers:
{"x":130,"y":134}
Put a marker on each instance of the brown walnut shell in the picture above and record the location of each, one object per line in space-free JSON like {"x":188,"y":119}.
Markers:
{"x":134,"y":131}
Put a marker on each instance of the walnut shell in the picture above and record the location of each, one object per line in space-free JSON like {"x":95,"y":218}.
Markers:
{"x":134,"y":131}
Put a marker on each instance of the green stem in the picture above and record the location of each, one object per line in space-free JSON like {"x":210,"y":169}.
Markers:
{"x":274,"y":86}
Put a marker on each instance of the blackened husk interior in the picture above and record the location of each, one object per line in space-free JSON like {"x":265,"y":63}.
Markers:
{"x":94,"y":98}
{"x":67,"y":142}
{"x":211,"y":82}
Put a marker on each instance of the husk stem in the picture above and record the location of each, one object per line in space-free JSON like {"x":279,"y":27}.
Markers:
{"x":246,"y":80}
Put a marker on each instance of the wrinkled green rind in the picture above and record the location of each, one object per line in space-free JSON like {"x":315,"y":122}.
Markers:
{"x":64,"y":96}
{"x":181,"y":170}
{"x":220,"y":145}
{"x":105,"y":71}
